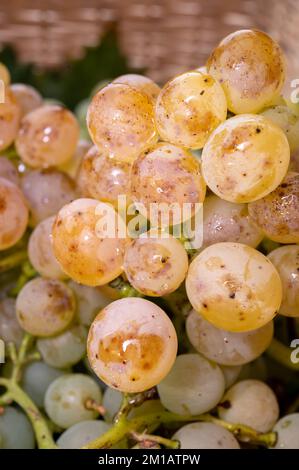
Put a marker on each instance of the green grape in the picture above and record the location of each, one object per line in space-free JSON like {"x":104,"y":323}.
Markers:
{"x":120,"y":121}
{"x":251,"y":402}
{"x":10,"y":114}
{"x":131,"y":344}
{"x":64,"y":350}
{"x":13,"y":214}
{"x":245,"y":158}
{"x":250,"y":66}
{"x":234,"y":287}
{"x":189,"y":107}
{"x":46,"y":191}
{"x":231,"y":374}
{"x":226,"y":347}
{"x":85,"y":248}
{"x":225,"y":221}
{"x":287,"y":429}
{"x":15,"y":430}
{"x":10,"y":330}
{"x":80,"y":434}
{"x":66,"y":397}
{"x":141,"y":83}
{"x":277,"y":214}
{"x":8,"y":170}
{"x":288,"y":121}
{"x":89,"y":302}
{"x":111,"y":402}
{"x":200,"y":389}
{"x":45,"y":307}
{"x":36,"y":378}
{"x":205,"y":436}
{"x":156,"y":265}
{"x":47,"y":136}
{"x":28,"y":98}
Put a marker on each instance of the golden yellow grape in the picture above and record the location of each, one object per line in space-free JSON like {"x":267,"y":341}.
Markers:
{"x":10,"y":114}
{"x":141,"y":83}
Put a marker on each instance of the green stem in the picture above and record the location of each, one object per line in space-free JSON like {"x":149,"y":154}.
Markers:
{"x":28,"y":272}
{"x":13,"y":260}
{"x":282,"y":354}
{"x":43,"y":435}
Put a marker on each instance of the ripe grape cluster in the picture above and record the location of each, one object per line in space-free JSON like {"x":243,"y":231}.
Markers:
{"x":106,"y":310}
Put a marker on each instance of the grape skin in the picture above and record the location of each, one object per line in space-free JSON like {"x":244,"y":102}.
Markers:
{"x":234,"y":287}
{"x":288,"y":121}
{"x":252,"y":403}
{"x":89,"y":301}
{"x":286,"y":261}
{"x":47,"y":136}
{"x":11,"y":420}
{"x":40,"y":251}
{"x":10,"y":330}
{"x":80,"y":434}
{"x":141,"y":83}
{"x":225,"y":347}
{"x":199,"y":392}
{"x":155,"y":265}
{"x":251,"y":69}
{"x":277,"y":214}
{"x":66,"y":397}
{"x":120,"y":121}
{"x":189,"y":108}
{"x":287,"y":429}
{"x":28,"y":98}
{"x":131,"y":345}
{"x":231,"y":374}
{"x":45,"y":307}
{"x":71,"y":168}
{"x":85,"y":252}
{"x":205,"y":436}
{"x":245,"y":158}
{"x":13,"y":214}
{"x":10,"y":114}
{"x":8,"y":171}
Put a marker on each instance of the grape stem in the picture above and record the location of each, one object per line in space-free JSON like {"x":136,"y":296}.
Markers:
{"x":150,"y":438}
{"x":125,"y":427}
{"x":282,"y":354}
{"x":14,"y":392}
{"x":13,"y":260}
{"x":27,"y":273}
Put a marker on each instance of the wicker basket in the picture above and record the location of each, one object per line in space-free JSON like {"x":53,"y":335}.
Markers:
{"x":163,"y":36}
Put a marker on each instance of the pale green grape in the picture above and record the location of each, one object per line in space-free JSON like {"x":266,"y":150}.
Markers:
{"x":288,"y":121}
{"x":81,"y":433}
{"x":231,"y":373}
{"x":10,"y":329}
{"x":66,"y":397}
{"x":15,"y":430}
{"x":193,"y":386}
{"x":36,"y":378}
{"x":111,"y":402}
{"x":251,"y":402}
{"x":205,"y":436}
{"x":287,"y":429}
{"x":64,"y":350}
{"x":89,"y":301}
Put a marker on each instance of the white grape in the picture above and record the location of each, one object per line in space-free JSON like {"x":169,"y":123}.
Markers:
{"x":287,"y":429}
{"x":15,"y":430}
{"x":81,"y":434}
{"x":205,"y":436}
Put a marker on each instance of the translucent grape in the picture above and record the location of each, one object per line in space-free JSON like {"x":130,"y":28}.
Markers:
{"x":36,"y":378}
{"x":64,"y":350}
{"x":47,"y":137}
{"x":8,"y":171}
{"x":251,"y":69}
{"x":234,"y":287}
{"x":132,"y":345}
{"x":286,"y":261}
{"x":199,"y":391}
{"x":225,"y":347}
{"x":71,"y":167}
{"x":287,"y":429}
{"x":205,"y":436}
{"x":89,"y":239}
{"x":66,"y":398}
{"x":167,"y":175}
{"x":40,"y":251}
{"x":103,"y":177}
{"x":231,"y":373}
{"x":278,"y":213}
{"x":288,"y":121}
{"x":120,"y":121}
{"x":45,"y":307}
{"x":112,"y":400}
{"x":46,"y":192}
{"x":189,"y":108}
{"x":155,"y":265}
{"x":250,"y":402}
{"x":89,"y":302}
{"x":141,"y":83}
{"x":245,"y":158}
{"x":13,"y":214}
{"x":10,"y":330}
{"x":10,"y":114}
{"x":13,"y":420}
{"x":225,"y":221}
{"x":81,"y":434}
{"x":28,"y":98}
{"x":4,"y":74}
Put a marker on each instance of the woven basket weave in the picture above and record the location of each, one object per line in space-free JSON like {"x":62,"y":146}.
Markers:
{"x":163,"y":36}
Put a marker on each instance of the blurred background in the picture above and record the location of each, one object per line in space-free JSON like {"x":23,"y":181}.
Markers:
{"x":65,"y":47}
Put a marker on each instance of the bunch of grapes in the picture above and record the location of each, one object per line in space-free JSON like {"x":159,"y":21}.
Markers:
{"x":118,"y":327}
